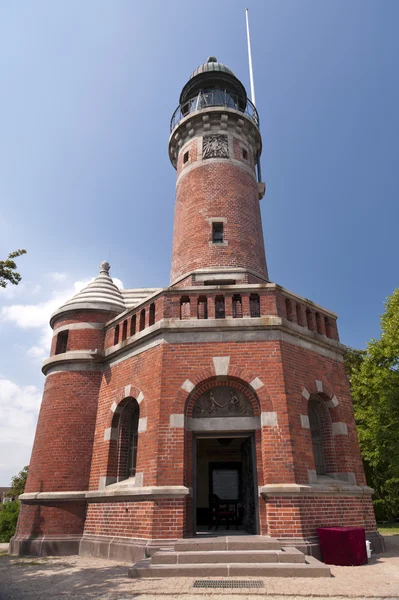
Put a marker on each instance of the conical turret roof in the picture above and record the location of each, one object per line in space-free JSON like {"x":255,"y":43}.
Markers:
{"x":100,"y":294}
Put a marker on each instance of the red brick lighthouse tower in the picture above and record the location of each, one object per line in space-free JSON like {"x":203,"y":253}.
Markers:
{"x":219,"y":401}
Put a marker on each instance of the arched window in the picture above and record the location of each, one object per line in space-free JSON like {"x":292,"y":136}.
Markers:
{"x":142,"y":319}
{"x":116,"y":335}
{"x":151,"y":317}
{"x":124,"y":331}
{"x":133,"y":325}
{"x":254,"y":305}
{"x":317,"y":438}
{"x":127,"y":440}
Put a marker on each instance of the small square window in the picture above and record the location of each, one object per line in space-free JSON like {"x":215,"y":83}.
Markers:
{"x":245,"y":154}
{"x":217,"y":233}
{"x":185,"y":157}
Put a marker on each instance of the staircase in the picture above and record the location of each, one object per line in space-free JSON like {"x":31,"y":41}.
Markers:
{"x":230,"y":556}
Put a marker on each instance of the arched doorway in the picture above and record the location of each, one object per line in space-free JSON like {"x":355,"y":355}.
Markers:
{"x":222,"y":418}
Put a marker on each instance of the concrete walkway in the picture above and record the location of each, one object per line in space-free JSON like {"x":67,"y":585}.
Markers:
{"x":79,"y":578}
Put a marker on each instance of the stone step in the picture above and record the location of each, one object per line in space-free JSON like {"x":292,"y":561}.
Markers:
{"x":231,"y":542}
{"x":285,"y":555}
{"x":311,"y":568}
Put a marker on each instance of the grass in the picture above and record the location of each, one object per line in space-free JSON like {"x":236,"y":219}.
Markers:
{"x":389,"y":529}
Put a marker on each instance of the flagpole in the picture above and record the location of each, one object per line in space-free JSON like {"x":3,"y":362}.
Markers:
{"x":251,"y":80}
{"x":251,"y":72}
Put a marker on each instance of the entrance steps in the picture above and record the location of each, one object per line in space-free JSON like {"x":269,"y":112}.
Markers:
{"x":229,"y":556}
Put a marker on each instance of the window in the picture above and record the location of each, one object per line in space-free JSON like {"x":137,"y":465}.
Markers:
{"x":254,"y":305}
{"x":142,"y":319}
{"x":127,"y":440}
{"x":318,"y":323}
{"x":202,"y":308}
{"x":219,"y":307}
{"x":124,"y":330}
{"x":237,"y":306}
{"x":62,"y":342}
{"x":185,"y":157}
{"x":217,"y":233}
{"x":245,"y":154}
{"x":309,"y":318}
{"x":116,"y":335}
{"x":133,"y":321}
{"x":152,"y":314}
{"x":317,"y":439}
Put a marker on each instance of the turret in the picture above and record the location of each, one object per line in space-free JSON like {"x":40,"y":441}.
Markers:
{"x":215,"y":145}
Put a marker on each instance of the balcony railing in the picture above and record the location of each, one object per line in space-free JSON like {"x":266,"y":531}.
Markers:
{"x":213,"y":98}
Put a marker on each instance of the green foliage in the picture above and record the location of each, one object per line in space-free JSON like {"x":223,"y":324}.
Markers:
{"x":8,"y":274}
{"x":374,"y":380}
{"x":18,"y":483}
{"x":8,"y":520}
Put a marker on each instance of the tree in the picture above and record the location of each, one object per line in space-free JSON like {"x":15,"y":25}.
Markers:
{"x":374,"y":380}
{"x":9,"y":511}
{"x":18,"y":483}
{"x":8,"y":273}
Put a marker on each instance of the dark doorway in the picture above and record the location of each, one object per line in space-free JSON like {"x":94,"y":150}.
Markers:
{"x":225,"y":477}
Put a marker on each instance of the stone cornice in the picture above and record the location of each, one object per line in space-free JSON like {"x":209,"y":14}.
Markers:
{"x":207,"y":330}
{"x":131,"y":493}
{"x":315,"y":489}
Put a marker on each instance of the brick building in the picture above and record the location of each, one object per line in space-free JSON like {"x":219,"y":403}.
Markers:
{"x":161,"y":403}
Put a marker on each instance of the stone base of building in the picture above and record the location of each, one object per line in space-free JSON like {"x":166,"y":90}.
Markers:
{"x":131,"y":550}
{"x":47,"y":545}
{"x":118,"y":548}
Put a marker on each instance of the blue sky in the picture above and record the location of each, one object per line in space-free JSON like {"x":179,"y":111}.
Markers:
{"x":87,"y":92}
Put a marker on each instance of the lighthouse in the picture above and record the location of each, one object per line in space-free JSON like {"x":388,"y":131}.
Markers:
{"x":217,"y":405}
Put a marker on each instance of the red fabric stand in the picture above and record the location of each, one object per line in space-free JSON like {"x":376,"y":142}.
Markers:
{"x":343,"y":546}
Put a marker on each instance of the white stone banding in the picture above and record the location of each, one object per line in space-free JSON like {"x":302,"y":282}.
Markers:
{"x":188,"y":386}
{"x":339,"y":428}
{"x":305,"y":422}
{"x":256,"y":383}
{"x":176,"y":421}
{"x":221,"y":364}
{"x":269,"y":419}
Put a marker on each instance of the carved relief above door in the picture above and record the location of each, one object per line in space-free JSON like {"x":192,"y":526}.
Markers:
{"x":222,"y":401}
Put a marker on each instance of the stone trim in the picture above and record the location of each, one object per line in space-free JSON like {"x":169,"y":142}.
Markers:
{"x":72,"y":326}
{"x":111,"y":433}
{"x":268,"y":419}
{"x":305,"y":422}
{"x":188,"y":386}
{"x":108,"y":494}
{"x":315,"y":489}
{"x":206,"y":330}
{"x":221,"y":364}
{"x":142,"y":425}
{"x":333,"y":402}
{"x":176,"y":421}
{"x":223,"y":424}
{"x":256,"y":383}
{"x":339,"y":428}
